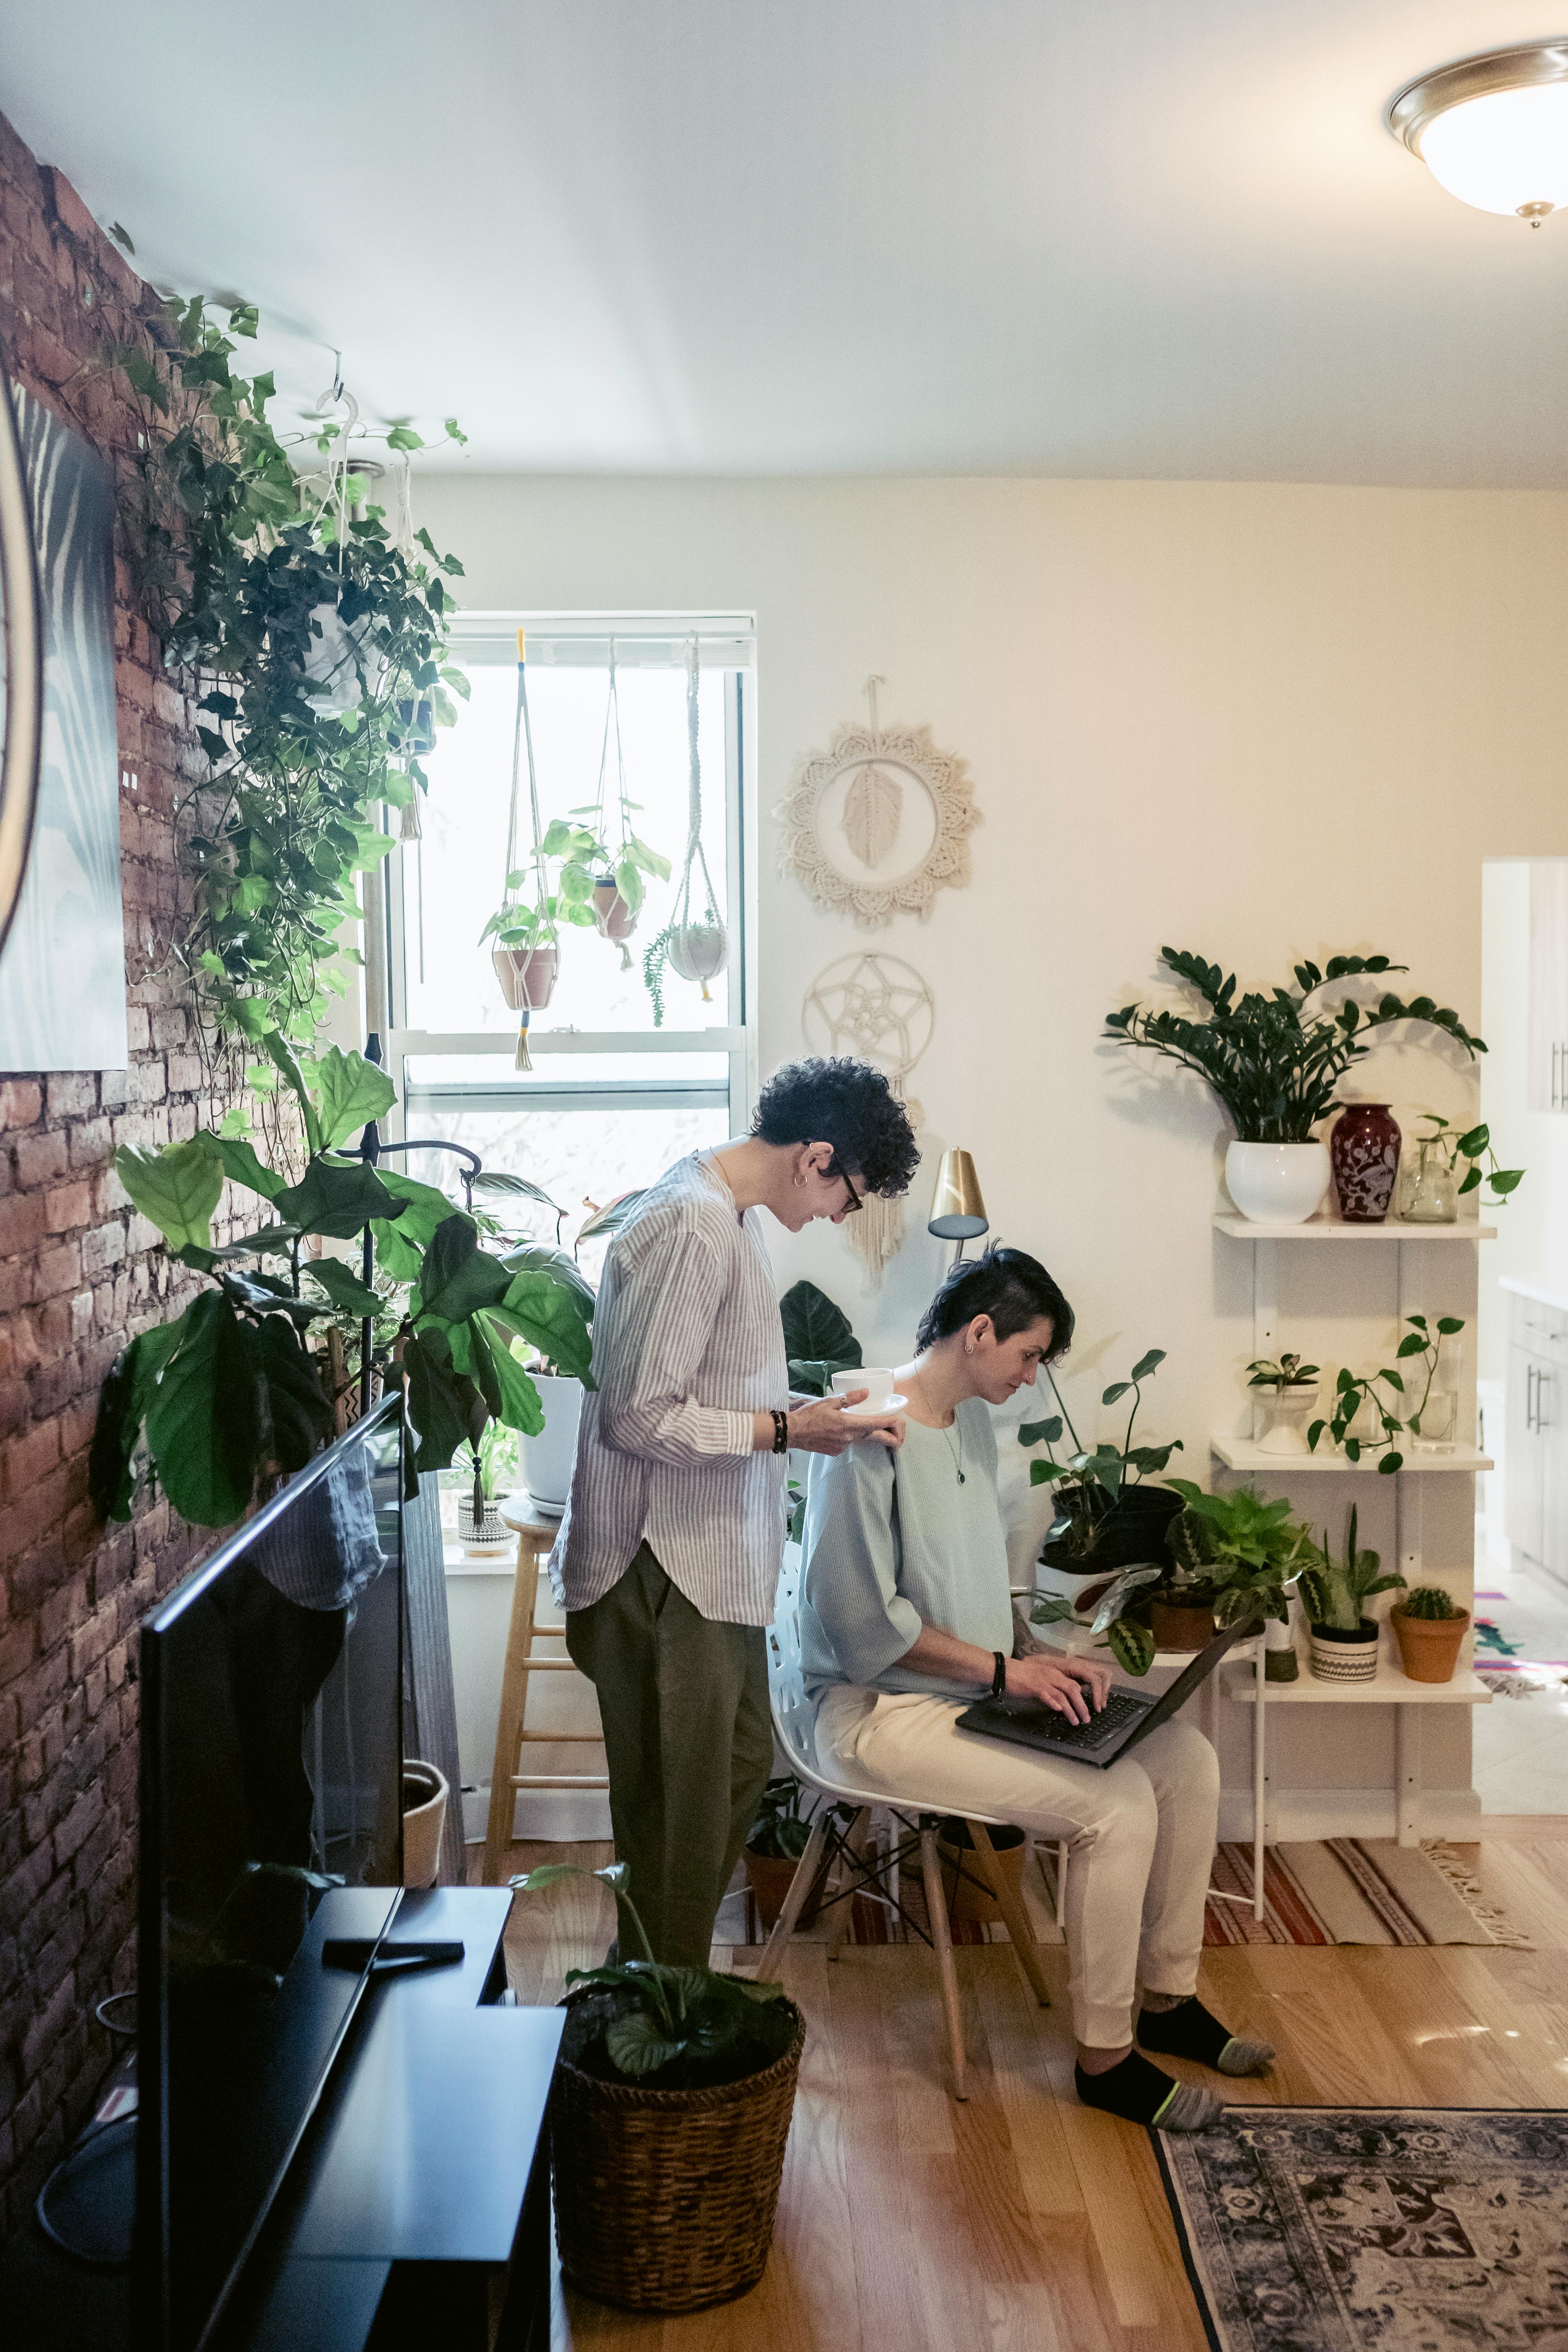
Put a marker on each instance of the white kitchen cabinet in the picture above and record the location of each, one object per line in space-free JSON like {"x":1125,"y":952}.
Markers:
{"x":1546,"y":1076}
{"x":1535,"y":1496}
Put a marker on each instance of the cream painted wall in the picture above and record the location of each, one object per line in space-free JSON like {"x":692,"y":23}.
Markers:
{"x":1261,"y":722}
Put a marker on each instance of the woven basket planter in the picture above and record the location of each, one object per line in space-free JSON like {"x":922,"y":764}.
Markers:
{"x":665,"y":2199}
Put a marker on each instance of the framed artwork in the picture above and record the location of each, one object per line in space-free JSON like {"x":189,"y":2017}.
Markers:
{"x":62,"y":967}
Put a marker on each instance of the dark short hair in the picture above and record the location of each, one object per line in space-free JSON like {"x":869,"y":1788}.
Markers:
{"x":1009,"y":1285}
{"x":845,"y":1103}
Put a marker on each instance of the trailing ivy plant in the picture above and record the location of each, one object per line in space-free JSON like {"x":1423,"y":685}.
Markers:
{"x":1274,"y":1064}
{"x":227,"y":1393}
{"x":312,"y":637}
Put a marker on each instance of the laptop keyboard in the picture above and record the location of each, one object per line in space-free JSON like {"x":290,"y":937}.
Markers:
{"x":1119,"y":1712}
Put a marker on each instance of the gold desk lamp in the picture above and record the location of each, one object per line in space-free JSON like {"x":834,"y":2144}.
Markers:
{"x":958,"y":1211}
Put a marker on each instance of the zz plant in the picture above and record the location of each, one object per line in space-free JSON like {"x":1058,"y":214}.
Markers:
{"x":1275,"y":1063}
{"x":228,"y":1394}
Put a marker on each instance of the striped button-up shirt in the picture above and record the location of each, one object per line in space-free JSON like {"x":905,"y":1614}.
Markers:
{"x":688,"y":1347}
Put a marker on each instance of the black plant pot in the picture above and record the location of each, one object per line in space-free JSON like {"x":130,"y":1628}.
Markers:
{"x":1135,"y":1529}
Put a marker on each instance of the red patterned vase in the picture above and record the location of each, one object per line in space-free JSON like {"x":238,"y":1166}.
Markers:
{"x":1364,"y":1150}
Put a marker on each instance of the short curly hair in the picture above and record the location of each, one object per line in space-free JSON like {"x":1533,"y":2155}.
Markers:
{"x":848,"y":1104}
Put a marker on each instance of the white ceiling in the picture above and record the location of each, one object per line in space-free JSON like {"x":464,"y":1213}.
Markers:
{"x":1161,"y":238}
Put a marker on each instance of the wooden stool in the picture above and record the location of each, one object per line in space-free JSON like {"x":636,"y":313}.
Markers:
{"x":535,"y":1538}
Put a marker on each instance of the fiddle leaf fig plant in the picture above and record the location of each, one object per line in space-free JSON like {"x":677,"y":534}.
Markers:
{"x":229,"y":1392}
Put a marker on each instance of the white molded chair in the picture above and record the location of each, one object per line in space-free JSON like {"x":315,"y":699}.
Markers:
{"x":794,"y":1727}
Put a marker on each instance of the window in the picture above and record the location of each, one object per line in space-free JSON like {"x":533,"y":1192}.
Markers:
{"x":613,"y":1098}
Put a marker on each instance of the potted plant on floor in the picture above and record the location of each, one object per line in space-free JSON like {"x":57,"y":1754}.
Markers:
{"x":1290,"y":1391}
{"x":668,"y":2115}
{"x":1108,"y":1517}
{"x":774,"y":1843}
{"x":1275,"y":1062}
{"x":1429,"y":1630}
{"x":1334,"y":1594}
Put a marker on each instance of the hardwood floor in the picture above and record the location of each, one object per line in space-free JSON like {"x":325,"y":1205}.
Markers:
{"x":1021,"y":2221}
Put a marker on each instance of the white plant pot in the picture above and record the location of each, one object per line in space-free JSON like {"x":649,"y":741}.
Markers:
{"x":1082,"y":1590}
{"x":1287,"y":1415}
{"x":1276,"y":1183}
{"x":547,"y":1459}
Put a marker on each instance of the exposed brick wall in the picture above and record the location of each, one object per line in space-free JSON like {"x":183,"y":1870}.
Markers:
{"x":79,"y":1273}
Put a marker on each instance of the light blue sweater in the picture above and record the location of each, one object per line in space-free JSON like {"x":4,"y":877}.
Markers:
{"x":893,"y":1542}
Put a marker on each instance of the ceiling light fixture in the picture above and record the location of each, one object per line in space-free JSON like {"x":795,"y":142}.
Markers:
{"x":1493,"y":130}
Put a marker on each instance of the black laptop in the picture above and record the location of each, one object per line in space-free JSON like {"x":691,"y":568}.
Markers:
{"x":1126,"y":1718}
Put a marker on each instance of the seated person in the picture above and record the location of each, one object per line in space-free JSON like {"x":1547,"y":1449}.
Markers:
{"x":905,"y":1604}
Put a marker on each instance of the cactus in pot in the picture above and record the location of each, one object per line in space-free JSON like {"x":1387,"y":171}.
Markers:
{"x":1429,"y":1629}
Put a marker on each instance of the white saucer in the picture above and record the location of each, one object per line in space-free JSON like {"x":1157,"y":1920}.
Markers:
{"x":875,"y":1412}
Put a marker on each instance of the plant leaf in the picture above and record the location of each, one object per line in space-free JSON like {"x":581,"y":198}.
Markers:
{"x":815,"y":1329}
{"x":337,"y":1199}
{"x":205,"y":1416}
{"x":300,"y":1408}
{"x":520,"y":1406}
{"x":241,"y":1164}
{"x":345,"y":1288}
{"x":445,"y":1407}
{"x":122,"y":1409}
{"x":352,"y":1094}
{"x":176,"y":1189}
{"x":457,"y":1275}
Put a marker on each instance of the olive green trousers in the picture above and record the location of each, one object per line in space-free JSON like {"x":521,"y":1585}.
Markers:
{"x":688,"y":1743}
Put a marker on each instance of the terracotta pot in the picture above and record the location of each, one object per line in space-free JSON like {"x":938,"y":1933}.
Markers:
{"x":614,"y":916}
{"x":1364,"y":1150}
{"x":423,"y":1818}
{"x":1429,"y":1646}
{"x":527,"y":975}
{"x":769,"y":1877}
{"x":1345,"y":1657}
{"x":967,"y":1894}
{"x":1181,"y":1624}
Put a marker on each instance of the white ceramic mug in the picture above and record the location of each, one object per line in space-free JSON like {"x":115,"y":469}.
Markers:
{"x":878,"y":1379}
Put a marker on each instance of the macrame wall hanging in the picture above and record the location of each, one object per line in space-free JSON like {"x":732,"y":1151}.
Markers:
{"x":526,"y":969}
{"x":879,"y":823}
{"x":878,"y":1007}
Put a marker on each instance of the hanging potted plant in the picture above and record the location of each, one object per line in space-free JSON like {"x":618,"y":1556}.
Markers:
{"x":1276,"y":1066}
{"x":668,"y":2115}
{"x":695,"y":948}
{"x":526,"y":951}
{"x":611,"y":881}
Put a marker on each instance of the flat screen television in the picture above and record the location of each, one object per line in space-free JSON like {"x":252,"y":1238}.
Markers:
{"x":271,"y":1819}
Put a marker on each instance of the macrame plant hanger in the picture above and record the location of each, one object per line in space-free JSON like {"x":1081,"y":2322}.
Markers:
{"x":522,"y":740}
{"x":696,"y":951}
{"x":611,"y":718}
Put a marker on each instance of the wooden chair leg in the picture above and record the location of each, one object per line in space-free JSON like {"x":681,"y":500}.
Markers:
{"x":513,"y":1702}
{"x":856,"y":1841}
{"x":770,"y":1967}
{"x":1061,"y":1881}
{"x":1011,"y":1909}
{"x":936,"y":1907}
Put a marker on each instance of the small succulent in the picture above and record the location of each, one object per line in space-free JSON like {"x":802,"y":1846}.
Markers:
{"x":1428,"y":1601}
{"x":1288,"y":1372}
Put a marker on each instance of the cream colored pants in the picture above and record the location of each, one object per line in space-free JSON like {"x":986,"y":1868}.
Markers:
{"x":1140,"y":1836}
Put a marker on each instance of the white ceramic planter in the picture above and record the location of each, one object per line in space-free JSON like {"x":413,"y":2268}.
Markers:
{"x":1288,"y":1414}
{"x":547,"y":1459}
{"x":1081,"y":1589}
{"x":1277,"y":1183}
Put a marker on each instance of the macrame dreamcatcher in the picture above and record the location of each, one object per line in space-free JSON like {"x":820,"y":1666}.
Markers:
{"x":878,"y":1007}
{"x":696,"y":951}
{"x":879,"y":823}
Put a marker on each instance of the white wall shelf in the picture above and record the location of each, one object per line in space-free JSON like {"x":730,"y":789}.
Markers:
{"x":1334,"y":1229}
{"x":1389,"y":1687}
{"x":1245,"y":1454}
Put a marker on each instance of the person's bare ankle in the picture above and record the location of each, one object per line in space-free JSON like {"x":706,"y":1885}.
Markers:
{"x":1101,"y":2061}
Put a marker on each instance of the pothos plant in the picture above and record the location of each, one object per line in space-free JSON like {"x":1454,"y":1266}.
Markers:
{"x":314,"y":637}
{"x":1381,"y":1394}
{"x":228,"y":1392}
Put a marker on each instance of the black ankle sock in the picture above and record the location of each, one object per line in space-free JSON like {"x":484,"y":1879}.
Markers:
{"x":1185,"y":2031}
{"x":1131,"y":2088}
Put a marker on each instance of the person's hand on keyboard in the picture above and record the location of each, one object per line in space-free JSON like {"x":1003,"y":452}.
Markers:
{"x":1075,"y":1687}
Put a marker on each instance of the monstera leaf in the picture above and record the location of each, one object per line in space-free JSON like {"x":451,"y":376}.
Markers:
{"x":818,"y":1340}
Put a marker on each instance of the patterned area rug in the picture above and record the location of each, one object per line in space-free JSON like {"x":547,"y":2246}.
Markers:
{"x":1509,"y":1651}
{"x":1375,"y":2229}
{"x":1337,"y":1891}
{"x":1356,"y":1891}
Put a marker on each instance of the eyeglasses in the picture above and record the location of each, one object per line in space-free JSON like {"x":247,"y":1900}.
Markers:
{"x":857,"y":1200}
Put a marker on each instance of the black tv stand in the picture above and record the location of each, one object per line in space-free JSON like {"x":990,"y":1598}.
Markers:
{"x":417,"y":2209}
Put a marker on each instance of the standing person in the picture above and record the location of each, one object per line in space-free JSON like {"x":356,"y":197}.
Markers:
{"x":669,"y":1555}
